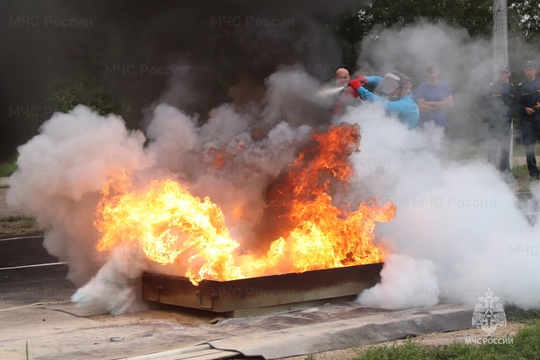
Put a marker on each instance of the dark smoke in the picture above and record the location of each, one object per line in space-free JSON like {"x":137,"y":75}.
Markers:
{"x":205,"y":48}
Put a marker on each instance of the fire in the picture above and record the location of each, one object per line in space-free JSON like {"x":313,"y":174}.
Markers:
{"x":168,"y":222}
{"x":219,"y":158}
{"x":172,"y":226}
{"x":319,"y":234}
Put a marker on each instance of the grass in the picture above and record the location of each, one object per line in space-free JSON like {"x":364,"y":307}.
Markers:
{"x":7,"y":169}
{"x":519,"y":150}
{"x":19,"y":221}
{"x":461,"y":151}
{"x":18,"y":225}
{"x":464,"y":152}
{"x":521,"y":174}
{"x":525,"y":345}
{"x":14,"y":218}
{"x":520,"y":171}
{"x":514,"y":313}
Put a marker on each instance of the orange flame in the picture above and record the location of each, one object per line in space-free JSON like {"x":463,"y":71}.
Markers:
{"x":173,"y":226}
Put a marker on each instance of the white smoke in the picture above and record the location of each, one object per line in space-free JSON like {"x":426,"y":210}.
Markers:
{"x":61,"y":172}
{"x":63,"y":169}
{"x":114,"y":288}
{"x":403,"y":280}
{"x":458,"y":229}
{"x":173,"y":134}
{"x":460,"y":216}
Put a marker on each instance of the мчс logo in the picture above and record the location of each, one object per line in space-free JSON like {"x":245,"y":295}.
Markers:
{"x":488,"y":313}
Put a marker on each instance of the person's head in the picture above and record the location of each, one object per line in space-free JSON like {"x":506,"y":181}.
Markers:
{"x":342,"y":77}
{"x":530,"y":69}
{"x":432,"y":74}
{"x":394,"y":86}
{"x":503,"y":74}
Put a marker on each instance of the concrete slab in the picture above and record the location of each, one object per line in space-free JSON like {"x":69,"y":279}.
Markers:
{"x":62,"y":331}
{"x":59,"y":334}
{"x":326,"y":333}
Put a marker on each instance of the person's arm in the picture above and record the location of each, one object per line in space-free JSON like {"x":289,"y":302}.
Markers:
{"x":484,"y":104}
{"x":373,"y":80}
{"x":366,"y":94}
{"x":518,"y":100}
{"x":400,"y":107}
{"x":537,"y":97}
{"x":369,"y":96}
{"x":425,"y":106}
{"x":513,"y":94}
{"x":523,"y":107}
{"x":446,"y":103}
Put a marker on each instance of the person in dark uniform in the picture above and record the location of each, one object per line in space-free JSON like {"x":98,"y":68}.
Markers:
{"x":528,"y":99}
{"x":499,"y":105}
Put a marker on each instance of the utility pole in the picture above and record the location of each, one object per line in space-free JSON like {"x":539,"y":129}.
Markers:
{"x":500,"y":34}
{"x":500,"y":50}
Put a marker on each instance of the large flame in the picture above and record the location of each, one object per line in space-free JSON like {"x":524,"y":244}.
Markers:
{"x":173,"y":226}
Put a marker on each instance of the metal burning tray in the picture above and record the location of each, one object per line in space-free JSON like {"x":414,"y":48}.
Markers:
{"x":260,"y":295}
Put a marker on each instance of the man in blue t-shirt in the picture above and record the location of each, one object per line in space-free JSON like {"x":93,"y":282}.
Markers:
{"x":434,"y":98}
{"x":393,"y":92}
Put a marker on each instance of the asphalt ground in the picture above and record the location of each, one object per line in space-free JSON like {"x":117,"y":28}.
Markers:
{"x":36,"y":313}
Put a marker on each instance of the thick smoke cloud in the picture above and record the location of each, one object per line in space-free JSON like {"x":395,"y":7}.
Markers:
{"x":61,"y":172}
{"x":187,"y":54}
{"x":402,"y":277}
{"x":460,"y":216}
{"x":458,"y":229}
{"x":63,"y":169}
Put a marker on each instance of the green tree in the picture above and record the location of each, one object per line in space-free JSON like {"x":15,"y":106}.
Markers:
{"x":524,"y":16}
{"x":473,"y":15}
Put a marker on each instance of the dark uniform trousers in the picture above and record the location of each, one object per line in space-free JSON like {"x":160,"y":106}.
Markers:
{"x":528,"y":94}
{"x":500,"y":101}
{"x":531,"y":133}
